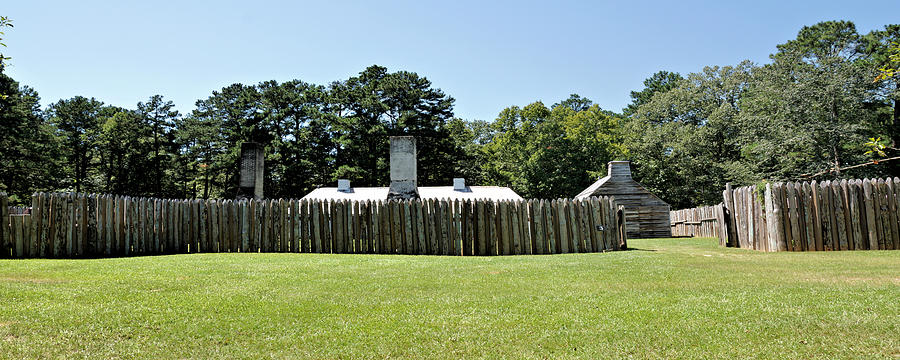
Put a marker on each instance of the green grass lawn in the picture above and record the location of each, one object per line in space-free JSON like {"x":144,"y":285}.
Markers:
{"x":682,"y":298}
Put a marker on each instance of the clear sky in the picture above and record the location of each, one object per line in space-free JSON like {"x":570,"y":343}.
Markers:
{"x":488,"y":55}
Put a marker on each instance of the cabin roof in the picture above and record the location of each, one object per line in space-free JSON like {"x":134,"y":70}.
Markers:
{"x":425,"y":192}
{"x":608,"y":186}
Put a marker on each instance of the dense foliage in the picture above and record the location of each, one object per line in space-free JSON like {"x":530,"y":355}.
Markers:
{"x":811,"y":113}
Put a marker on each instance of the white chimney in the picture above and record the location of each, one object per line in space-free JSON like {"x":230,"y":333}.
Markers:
{"x":343,"y":185}
{"x":459,"y":184}
{"x":403,"y":168}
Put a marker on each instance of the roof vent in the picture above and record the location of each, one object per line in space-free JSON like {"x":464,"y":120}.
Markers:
{"x":459,"y":184}
{"x":343,"y":185}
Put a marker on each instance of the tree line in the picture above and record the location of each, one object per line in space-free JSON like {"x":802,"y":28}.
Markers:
{"x":814,"y":111}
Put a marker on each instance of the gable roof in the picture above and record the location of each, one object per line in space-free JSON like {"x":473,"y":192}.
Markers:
{"x":587,"y":192}
{"x":618,"y":186}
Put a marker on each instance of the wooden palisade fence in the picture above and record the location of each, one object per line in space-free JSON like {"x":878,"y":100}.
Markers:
{"x":698,"y":222}
{"x":66,"y":225}
{"x":812,"y":216}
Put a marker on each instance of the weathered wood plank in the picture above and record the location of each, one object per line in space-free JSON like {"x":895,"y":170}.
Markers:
{"x":610,"y":237}
{"x":515,"y":209}
{"x":355,"y":222}
{"x":815,"y":207}
{"x":480,"y":240}
{"x":306,"y":226}
{"x":887,"y":241}
{"x":889,"y":214}
{"x":431,"y":231}
{"x":527,"y":227}
{"x":574,"y":230}
{"x":584,"y":224}
{"x":387,"y":224}
{"x":845,"y":213}
{"x":46,"y":234}
{"x":603,"y":234}
{"x":316,"y":227}
{"x":552,"y":223}
{"x":728,"y":195}
{"x":879,"y":228}
{"x":297,"y":222}
{"x":778,"y":217}
{"x":408,"y":234}
{"x":349,"y":227}
{"x":243,"y":214}
{"x":894,"y":201}
{"x":71,"y":230}
{"x":339,"y":226}
{"x":503,"y":216}
{"x":457,"y":245}
{"x":4,"y":226}
{"x":396,"y":231}
{"x":770,"y":219}
{"x":444,"y":226}
{"x":34,"y":227}
{"x":419,"y":210}
{"x":540,"y":240}
{"x":470,"y":231}
{"x":826,"y":216}
{"x":852,"y":191}
{"x":17,"y":224}
{"x":593,"y":244}
{"x":796,"y":214}
{"x":215,"y":225}
{"x":562,"y":225}
{"x":839,"y":215}
{"x":869,"y":204}
{"x":140,"y":217}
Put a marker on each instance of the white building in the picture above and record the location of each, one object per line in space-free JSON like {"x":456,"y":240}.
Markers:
{"x":404,"y":183}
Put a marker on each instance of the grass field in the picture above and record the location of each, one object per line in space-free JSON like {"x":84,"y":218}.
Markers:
{"x":683,"y":298}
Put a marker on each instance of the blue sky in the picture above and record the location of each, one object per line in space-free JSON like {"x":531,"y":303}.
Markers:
{"x":487,"y":55}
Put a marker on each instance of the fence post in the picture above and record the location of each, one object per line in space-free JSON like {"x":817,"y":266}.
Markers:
{"x":730,"y":234}
{"x":894,"y":200}
{"x":778,"y":219}
{"x":771,"y":232}
{"x":622,"y":223}
{"x":4,"y":225}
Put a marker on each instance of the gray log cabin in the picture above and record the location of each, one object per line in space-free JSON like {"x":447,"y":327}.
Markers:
{"x":646,"y":215}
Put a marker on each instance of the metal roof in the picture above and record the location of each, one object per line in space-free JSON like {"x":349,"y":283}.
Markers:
{"x":425,"y":192}
{"x":589,"y":191}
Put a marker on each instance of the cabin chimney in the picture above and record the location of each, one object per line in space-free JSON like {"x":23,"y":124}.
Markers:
{"x":250,"y":185}
{"x":403,"y":168}
{"x":343,"y":185}
{"x":619,"y":169}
